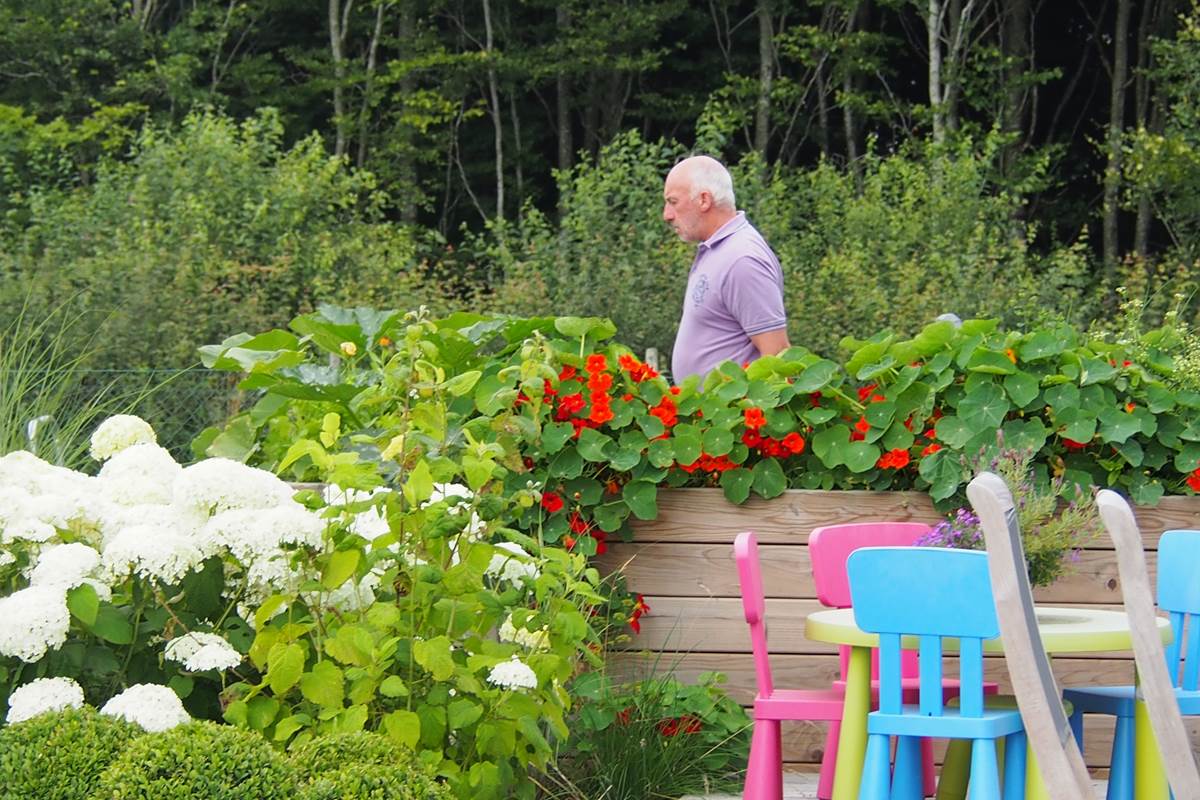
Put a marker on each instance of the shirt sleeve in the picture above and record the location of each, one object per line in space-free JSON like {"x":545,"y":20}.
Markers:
{"x":753,"y":293}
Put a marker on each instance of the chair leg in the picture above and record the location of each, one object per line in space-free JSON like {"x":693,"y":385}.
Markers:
{"x":764,"y":774}
{"x":829,"y":761}
{"x":1076,"y":720}
{"x":985,"y":772}
{"x":1014,"y":766}
{"x":1120,"y":776}
{"x":907,"y":774}
{"x":928,"y":775}
{"x":876,"y":777}
{"x":955,"y":771}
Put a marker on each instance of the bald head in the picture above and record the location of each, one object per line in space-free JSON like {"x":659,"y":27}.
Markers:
{"x":698,"y":198}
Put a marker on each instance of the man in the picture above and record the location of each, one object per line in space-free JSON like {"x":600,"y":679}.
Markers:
{"x":733,"y":309}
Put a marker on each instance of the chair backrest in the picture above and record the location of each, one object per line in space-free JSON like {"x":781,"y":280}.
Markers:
{"x":829,"y":547}
{"x":745,"y":553}
{"x":1154,"y":681}
{"x":1179,"y":596}
{"x":1046,"y":726}
{"x":930,"y":593}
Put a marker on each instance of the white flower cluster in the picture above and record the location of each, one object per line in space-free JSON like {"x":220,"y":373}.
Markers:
{"x":370,"y":523}
{"x":530,"y":640}
{"x":512,"y":564}
{"x":155,"y":708}
{"x":514,"y":674}
{"x":118,"y":432}
{"x":199,"y":651}
{"x":144,"y":515}
{"x":41,"y":696}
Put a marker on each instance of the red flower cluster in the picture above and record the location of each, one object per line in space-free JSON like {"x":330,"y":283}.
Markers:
{"x":638,"y":371}
{"x":640,"y":609}
{"x":581,"y":527}
{"x":685,"y":724}
{"x":599,"y":382}
{"x":893,"y":459}
{"x":552,"y":502}
{"x":867,"y":394}
{"x":667,"y":411}
{"x":709,"y":464}
{"x":790,"y":445}
{"x":754,"y":418}
{"x":1193,"y":480}
{"x":860,"y":430}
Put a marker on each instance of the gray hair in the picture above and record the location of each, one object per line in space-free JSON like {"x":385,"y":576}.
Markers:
{"x":709,"y":175}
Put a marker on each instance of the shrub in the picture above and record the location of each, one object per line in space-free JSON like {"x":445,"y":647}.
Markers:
{"x":374,"y":782}
{"x":201,"y":759}
{"x":324,"y":754}
{"x":60,"y":755}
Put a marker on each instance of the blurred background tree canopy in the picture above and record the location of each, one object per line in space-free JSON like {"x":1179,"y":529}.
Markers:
{"x":179,"y":170}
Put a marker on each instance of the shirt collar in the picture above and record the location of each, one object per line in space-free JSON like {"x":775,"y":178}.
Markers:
{"x":723,"y":232}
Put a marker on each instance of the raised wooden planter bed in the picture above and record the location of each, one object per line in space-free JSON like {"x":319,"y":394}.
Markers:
{"x":683,"y":563}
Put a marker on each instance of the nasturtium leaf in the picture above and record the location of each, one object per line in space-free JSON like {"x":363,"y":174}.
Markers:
{"x":943,"y":472}
{"x":897,"y":437}
{"x":953,"y":431}
{"x":661,"y":453}
{"x":1159,"y":399}
{"x":869,"y":371}
{"x":593,"y":445}
{"x":826,"y":444}
{"x":687,"y":445}
{"x":1041,"y":344}
{"x":1025,"y":434}
{"x":985,"y":407}
{"x":597,"y":328}
{"x":1146,"y":494}
{"x":1062,"y":396}
{"x":818,"y":416}
{"x":717,"y":441}
{"x":737,"y":483}
{"x":815,"y":377}
{"x":610,"y":515}
{"x":1093,"y":370}
{"x":487,"y":394}
{"x":860,"y":456}
{"x":1117,"y":425}
{"x":285,"y":664}
{"x":1131,"y":451}
{"x":990,"y":362}
{"x":625,"y":459}
{"x":83,"y":603}
{"x":651,"y":426}
{"x":1076,"y":424}
{"x":641,"y":496}
{"x":769,"y":480}
{"x":1022,"y":388}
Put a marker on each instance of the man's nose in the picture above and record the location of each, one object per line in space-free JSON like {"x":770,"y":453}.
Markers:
{"x":667,"y":213}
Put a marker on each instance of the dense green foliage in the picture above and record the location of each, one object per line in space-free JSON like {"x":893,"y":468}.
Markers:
{"x":200,"y":759}
{"x":60,"y":755}
{"x":362,"y":766}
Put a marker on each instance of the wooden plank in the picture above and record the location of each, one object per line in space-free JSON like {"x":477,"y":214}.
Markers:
{"x":718,"y":625}
{"x":707,"y":570}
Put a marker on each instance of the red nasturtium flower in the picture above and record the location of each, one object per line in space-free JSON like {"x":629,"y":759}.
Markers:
{"x":567,"y":373}
{"x":552,"y":502}
{"x":640,"y":609}
{"x":665,"y":411}
{"x":754,"y":418}
{"x":794,"y":442}
{"x":893,"y":459}
{"x":596,"y":363}
{"x":685,"y":724}
{"x":751,"y":439}
{"x":1071,"y":444}
{"x":600,"y":382}
{"x":931,"y":449}
{"x":1194,"y":480}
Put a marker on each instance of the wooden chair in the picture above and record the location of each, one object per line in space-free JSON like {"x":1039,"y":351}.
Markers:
{"x":828,"y":548}
{"x":933,"y":594}
{"x":764,"y":774}
{"x":1046,"y":726}
{"x":1155,"y":684}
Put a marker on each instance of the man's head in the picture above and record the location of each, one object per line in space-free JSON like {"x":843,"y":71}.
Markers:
{"x":698,"y":198}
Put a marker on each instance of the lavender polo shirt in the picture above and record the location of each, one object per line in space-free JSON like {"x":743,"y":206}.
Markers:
{"x":734,"y":291}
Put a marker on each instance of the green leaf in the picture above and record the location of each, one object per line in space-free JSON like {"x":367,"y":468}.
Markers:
{"x":827,"y":445}
{"x":641,"y":496}
{"x":462,"y":712}
{"x":869,"y":371}
{"x":324,"y":685}
{"x":661,"y":453}
{"x":815,"y":377}
{"x":1116,"y":425}
{"x":1095,"y":371}
{"x":478,"y":471}
{"x":990,"y":362}
{"x":404,"y":727}
{"x":393,"y":686}
{"x":953,"y":432}
{"x":460,"y":385}
{"x":609,"y":516}
{"x":737,"y":483}
{"x":261,"y":711}
{"x":555,"y":435}
{"x":83,"y":603}
{"x":340,"y":568}
{"x":285,"y":663}
{"x":419,"y":486}
{"x":984,"y":408}
{"x":289,"y":725}
{"x":597,"y":328}
{"x":769,"y":480}
{"x":593,"y":445}
{"x":1025,"y":434}
{"x":860,"y":456}
{"x":1041,"y":344}
{"x":434,"y":656}
{"x":111,"y":625}
{"x":567,"y":464}
{"x":687,"y":446}
{"x":717,"y":441}
{"x":943,"y":472}
{"x":1188,"y":459}
{"x":1022,"y":388}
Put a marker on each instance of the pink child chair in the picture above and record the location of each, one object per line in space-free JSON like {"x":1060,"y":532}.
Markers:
{"x":828,"y":548}
{"x":764,"y":775}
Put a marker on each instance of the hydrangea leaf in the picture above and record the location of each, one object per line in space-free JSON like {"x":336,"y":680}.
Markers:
{"x":404,"y":727}
{"x":83,"y":603}
{"x":285,"y":663}
{"x":434,"y":655}
{"x":324,"y":685}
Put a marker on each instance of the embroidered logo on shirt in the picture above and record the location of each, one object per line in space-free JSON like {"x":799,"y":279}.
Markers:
{"x":699,"y":291}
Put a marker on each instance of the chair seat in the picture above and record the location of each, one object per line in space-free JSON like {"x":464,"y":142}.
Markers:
{"x":811,"y":704}
{"x":991,"y":724}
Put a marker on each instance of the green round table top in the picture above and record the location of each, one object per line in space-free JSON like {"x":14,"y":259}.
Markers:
{"x":1063,"y":630}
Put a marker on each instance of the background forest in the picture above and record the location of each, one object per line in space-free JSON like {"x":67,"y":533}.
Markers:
{"x":173,"y":171}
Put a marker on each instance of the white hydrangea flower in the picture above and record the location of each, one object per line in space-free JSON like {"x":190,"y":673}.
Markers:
{"x":42,"y":695}
{"x":67,"y":565}
{"x":514,"y":674}
{"x":155,"y":708}
{"x":21,"y":469}
{"x":530,"y":640}
{"x":165,"y":518}
{"x":32,"y":621}
{"x":152,"y":553}
{"x":199,"y":651}
{"x":7,"y":558}
{"x":221,"y":484}
{"x":251,"y":534}
{"x":352,"y":595}
{"x":29,"y":529}
{"x":274,"y":575}
{"x":139,"y":475}
{"x":118,"y":432}
{"x":513,"y":564}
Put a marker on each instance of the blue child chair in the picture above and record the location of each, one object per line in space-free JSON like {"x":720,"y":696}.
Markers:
{"x":929,"y":594}
{"x":1178,"y":595}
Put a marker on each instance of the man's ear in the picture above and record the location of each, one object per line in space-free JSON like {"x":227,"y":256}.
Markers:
{"x":706,"y":201}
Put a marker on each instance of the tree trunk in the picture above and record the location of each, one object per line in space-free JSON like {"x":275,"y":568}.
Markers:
{"x":766,"y":70}
{"x":516,"y":126}
{"x":1116,"y":127}
{"x":933,"y":26}
{"x":1015,"y":43}
{"x":497,"y":119}
{"x":364,"y":113}
{"x":858,"y":20}
{"x":405,"y":165}
{"x":566,"y":144}
{"x":339,"y":21}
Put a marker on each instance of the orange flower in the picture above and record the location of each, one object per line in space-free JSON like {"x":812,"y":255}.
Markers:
{"x":893,"y":459}
{"x":596,"y":363}
{"x":600,"y":382}
{"x":754,"y":418}
{"x":931,"y":449}
{"x":794,"y":442}
{"x":1012,"y":354}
